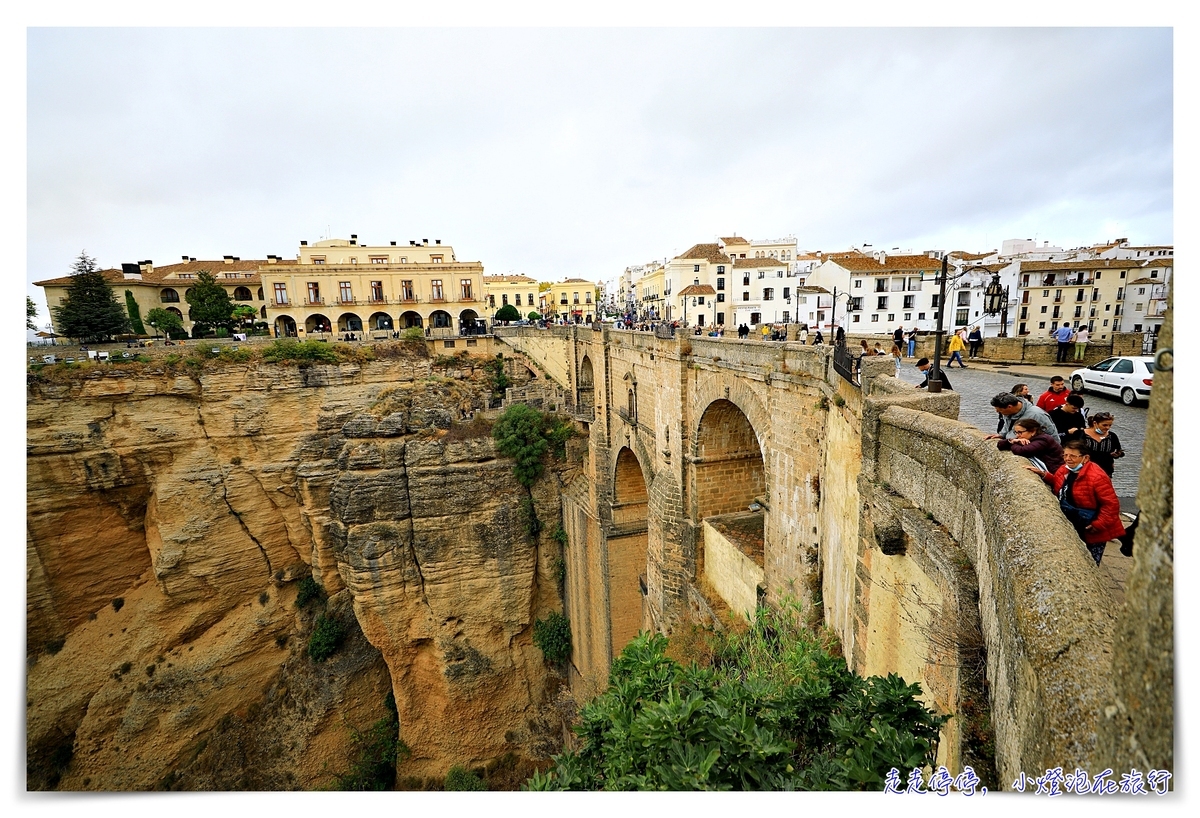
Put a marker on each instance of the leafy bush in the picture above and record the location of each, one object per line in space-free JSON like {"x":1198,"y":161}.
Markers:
{"x":326,"y":638}
{"x":118,"y":603}
{"x":286,"y":350}
{"x":552,"y":635}
{"x":460,"y":779}
{"x":497,"y":378}
{"x":309,"y":590}
{"x":774,"y":710}
{"x":55,"y":645}
{"x":519,"y":434}
{"x":508,"y":313}
{"x":376,"y":752}
{"x":534,"y":316}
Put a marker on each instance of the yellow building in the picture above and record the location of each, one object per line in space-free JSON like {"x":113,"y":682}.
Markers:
{"x":573,"y":299}
{"x":518,"y":290}
{"x":338,"y":286}
{"x":166,"y":287}
{"x":1095,"y":293}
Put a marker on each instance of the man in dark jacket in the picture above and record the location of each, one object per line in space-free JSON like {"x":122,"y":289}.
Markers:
{"x":926,"y":368}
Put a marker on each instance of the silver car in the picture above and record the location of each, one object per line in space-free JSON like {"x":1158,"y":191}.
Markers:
{"x":1124,"y":377}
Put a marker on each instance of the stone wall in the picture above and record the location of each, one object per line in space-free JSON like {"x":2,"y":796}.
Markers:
{"x":1028,"y":349}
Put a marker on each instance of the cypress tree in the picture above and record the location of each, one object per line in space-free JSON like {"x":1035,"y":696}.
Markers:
{"x":135,"y":313}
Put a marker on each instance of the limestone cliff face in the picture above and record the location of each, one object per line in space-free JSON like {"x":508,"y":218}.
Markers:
{"x":168,"y":517}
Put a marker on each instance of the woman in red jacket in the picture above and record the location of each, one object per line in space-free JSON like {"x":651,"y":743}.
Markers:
{"x":1085,"y":493}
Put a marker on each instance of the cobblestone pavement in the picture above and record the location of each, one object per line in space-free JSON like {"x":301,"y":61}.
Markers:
{"x":980,"y":382}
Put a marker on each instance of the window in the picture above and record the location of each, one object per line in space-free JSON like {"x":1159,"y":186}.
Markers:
{"x":891,"y":317}
{"x":914,"y":283}
{"x":1053,"y":326}
{"x":530,"y":301}
{"x":897,"y":285}
{"x":169,"y":296}
{"x":700,"y":300}
{"x":756,"y":318}
{"x":436,"y":259}
{"x":404,"y":259}
{"x":746,"y":297}
{"x":800,"y":283}
{"x":464,"y":289}
{"x":354,"y":260}
{"x":318,"y":259}
{"x":345,"y":294}
{"x":376,"y":290}
{"x":314,"y":292}
{"x":874,"y":319}
{"x":1122,"y":367}
{"x":1141,"y":290}
{"x":720,"y":318}
{"x":746,"y":280}
{"x":787,"y":316}
{"x":721,"y":269}
{"x":1137,"y":327}
{"x":1045,"y":293}
{"x":933,"y":300}
{"x":406,"y":290}
{"x":920,"y":316}
{"x":720,"y":297}
{"x":964,"y":298}
{"x":1137,"y":307}
{"x":379,"y":259}
{"x":1042,"y":324}
{"x":436,"y":287}
{"x":768,"y":293}
{"x":908,"y":316}
{"x":883,"y":302}
{"x":504,"y":299}
{"x":1122,"y":274}
{"x":961,"y":317}
{"x":1024,"y":312}
{"x":855,"y":318}
{"x":909,"y":301}
{"x":587,"y":298}
{"x":1055,"y":313}
{"x":1079,"y":312}
{"x":518,"y":301}
{"x":1106,"y":322}
{"x":1098,"y":275}
{"x":858,"y":283}
{"x":1025,"y":280}
{"x":1120,"y":293}
{"x":1079,"y":295}
{"x":492,"y":300}
{"x":720,"y":283}
{"x":881,"y":285}
{"x":856,"y":304}
{"x":695,"y":268}
{"x":787,"y":293}
{"x":280,"y":294}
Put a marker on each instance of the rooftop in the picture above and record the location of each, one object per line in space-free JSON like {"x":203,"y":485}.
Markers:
{"x":759,"y":262}
{"x":705,"y":252}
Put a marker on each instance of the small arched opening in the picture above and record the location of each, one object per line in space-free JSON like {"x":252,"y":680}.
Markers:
{"x":380,"y":320}
{"x":242,"y":294}
{"x":349,"y":322}
{"x":285,"y":326}
{"x":317,"y":323}
{"x":169,"y":295}
{"x":410,"y":319}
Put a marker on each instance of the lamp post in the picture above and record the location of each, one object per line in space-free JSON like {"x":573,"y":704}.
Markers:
{"x":995,"y":301}
{"x":833,"y":310}
{"x":934,"y":381}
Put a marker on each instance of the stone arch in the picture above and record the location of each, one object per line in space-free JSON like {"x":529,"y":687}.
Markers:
{"x":380,"y":320}
{"x":628,"y":549}
{"x":169,"y":295}
{"x":285,"y":326}
{"x":730,"y":470}
{"x":178,"y":314}
{"x":440,"y":319}
{"x":349,"y":322}
{"x":242,"y":294}
{"x":317,"y":323}
{"x":262,"y":311}
{"x":586,"y":382}
{"x":410,"y":318}
{"x":260,"y":296}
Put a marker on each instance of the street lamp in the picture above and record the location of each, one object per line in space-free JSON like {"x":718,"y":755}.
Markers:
{"x":995,"y":301}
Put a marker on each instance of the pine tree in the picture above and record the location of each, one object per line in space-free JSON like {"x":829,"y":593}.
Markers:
{"x":91,"y":312}
{"x":209,"y":302}
{"x":30,"y":313}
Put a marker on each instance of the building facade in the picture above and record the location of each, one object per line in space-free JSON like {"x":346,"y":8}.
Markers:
{"x":516,"y":290}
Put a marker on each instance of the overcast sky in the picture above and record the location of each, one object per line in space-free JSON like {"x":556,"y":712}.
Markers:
{"x":577,"y":152}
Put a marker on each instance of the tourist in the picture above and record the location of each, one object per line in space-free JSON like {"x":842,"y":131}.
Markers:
{"x":898,"y":335}
{"x":897,"y":356}
{"x":802,"y":335}
{"x":839,"y":337}
{"x":975,"y":339}
{"x":1070,"y":419}
{"x":1081,"y":342}
{"x":1012,"y":409}
{"x":1053,"y":397}
{"x":956,"y":348}
{"x":912,"y":342}
{"x":818,"y":339}
{"x":1063,"y":335}
{"x":1103,"y":444}
{"x":925,"y":367}
{"x":1021,"y":390}
{"x":1035,"y":443}
{"x":1086,"y":497}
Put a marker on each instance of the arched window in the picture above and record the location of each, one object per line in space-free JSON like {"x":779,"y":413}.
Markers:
{"x":260,"y":294}
{"x":631,"y":408}
{"x":242,"y":294}
{"x":169,"y":296}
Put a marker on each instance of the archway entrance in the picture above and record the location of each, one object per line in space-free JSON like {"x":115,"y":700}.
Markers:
{"x":627,"y":551}
{"x":380,"y":320}
{"x":410,"y":319}
{"x":349,"y":322}
{"x":586,"y":385}
{"x":729,"y":477}
{"x":317,"y":323}
{"x":285,"y":326}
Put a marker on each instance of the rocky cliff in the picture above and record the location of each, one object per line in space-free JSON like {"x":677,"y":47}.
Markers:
{"x":169,"y":518}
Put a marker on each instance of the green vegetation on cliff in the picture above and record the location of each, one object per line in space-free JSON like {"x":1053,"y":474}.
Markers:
{"x":770,"y":708}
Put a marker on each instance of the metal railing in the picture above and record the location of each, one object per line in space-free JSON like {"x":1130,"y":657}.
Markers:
{"x":845,"y":363}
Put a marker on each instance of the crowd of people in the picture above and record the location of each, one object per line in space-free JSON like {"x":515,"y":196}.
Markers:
{"x":1074,"y":451}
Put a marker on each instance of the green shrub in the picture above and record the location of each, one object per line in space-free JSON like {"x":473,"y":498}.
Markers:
{"x":55,"y":644}
{"x":460,"y":779}
{"x":533,"y":526}
{"x":560,"y":536}
{"x":498,"y":379}
{"x":376,"y":752}
{"x":326,"y":638}
{"x":552,"y":635}
{"x":286,"y":350}
{"x":309,"y":590}
{"x":118,"y":603}
{"x":775,"y":710}
{"x":519,"y":434}
{"x":839,"y":401}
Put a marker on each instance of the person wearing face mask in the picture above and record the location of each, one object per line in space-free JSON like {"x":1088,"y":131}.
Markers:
{"x":1103,"y":444}
{"x":1086,"y":496}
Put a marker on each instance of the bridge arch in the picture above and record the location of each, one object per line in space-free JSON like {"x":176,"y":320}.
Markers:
{"x":628,"y":549}
{"x":730,"y":470}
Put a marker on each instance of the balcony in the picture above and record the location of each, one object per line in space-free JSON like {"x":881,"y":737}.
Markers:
{"x":408,"y":298}
{"x":350,"y":300}
{"x":437,"y":299}
{"x":314,"y":302}
{"x":380,"y":300}
{"x":280,"y":303}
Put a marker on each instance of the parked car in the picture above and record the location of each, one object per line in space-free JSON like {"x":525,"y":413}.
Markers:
{"x":1129,"y":378}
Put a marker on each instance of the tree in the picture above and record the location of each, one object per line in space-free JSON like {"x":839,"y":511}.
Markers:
{"x":135,"y":313}
{"x":534,"y":316}
{"x":90,"y":312}
{"x":508,"y":313}
{"x":30,"y":313}
{"x":165,"y":321}
{"x":244,"y":313}
{"x":209,"y":304}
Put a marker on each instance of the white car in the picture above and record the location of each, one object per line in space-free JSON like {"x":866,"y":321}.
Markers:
{"x":1128,"y":378}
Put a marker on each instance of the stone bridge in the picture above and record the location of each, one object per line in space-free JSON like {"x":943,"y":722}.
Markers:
{"x":722,"y":473}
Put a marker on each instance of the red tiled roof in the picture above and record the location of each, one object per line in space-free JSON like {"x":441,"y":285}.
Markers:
{"x":758,"y":262}
{"x":697,"y":289}
{"x":706,"y":252}
{"x":734,"y":240}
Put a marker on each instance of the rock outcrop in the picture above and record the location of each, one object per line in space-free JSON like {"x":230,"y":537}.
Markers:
{"x":168,"y":518}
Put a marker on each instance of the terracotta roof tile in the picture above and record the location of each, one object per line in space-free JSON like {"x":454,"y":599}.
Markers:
{"x":734,"y":240}
{"x":758,"y":262}
{"x":705,"y":252}
{"x":508,"y":279}
{"x":1093,"y":264}
{"x":697,"y":289}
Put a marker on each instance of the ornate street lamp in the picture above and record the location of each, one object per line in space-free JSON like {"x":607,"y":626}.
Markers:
{"x":995,"y":302}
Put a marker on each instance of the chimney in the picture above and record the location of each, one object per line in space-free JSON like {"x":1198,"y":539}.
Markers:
{"x":425,"y":241}
{"x":146,"y":266}
{"x":272,"y":259}
{"x":411,"y":242}
{"x":229,"y":259}
{"x":193,"y":258}
{"x":185,"y":258}
{"x":437,"y":241}
{"x":303,"y":243}
{"x":353,"y":239}
{"x":131,"y":271}
{"x":393,"y":244}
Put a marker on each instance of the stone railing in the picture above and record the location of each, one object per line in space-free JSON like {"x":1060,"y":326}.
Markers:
{"x":1047,"y":621}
